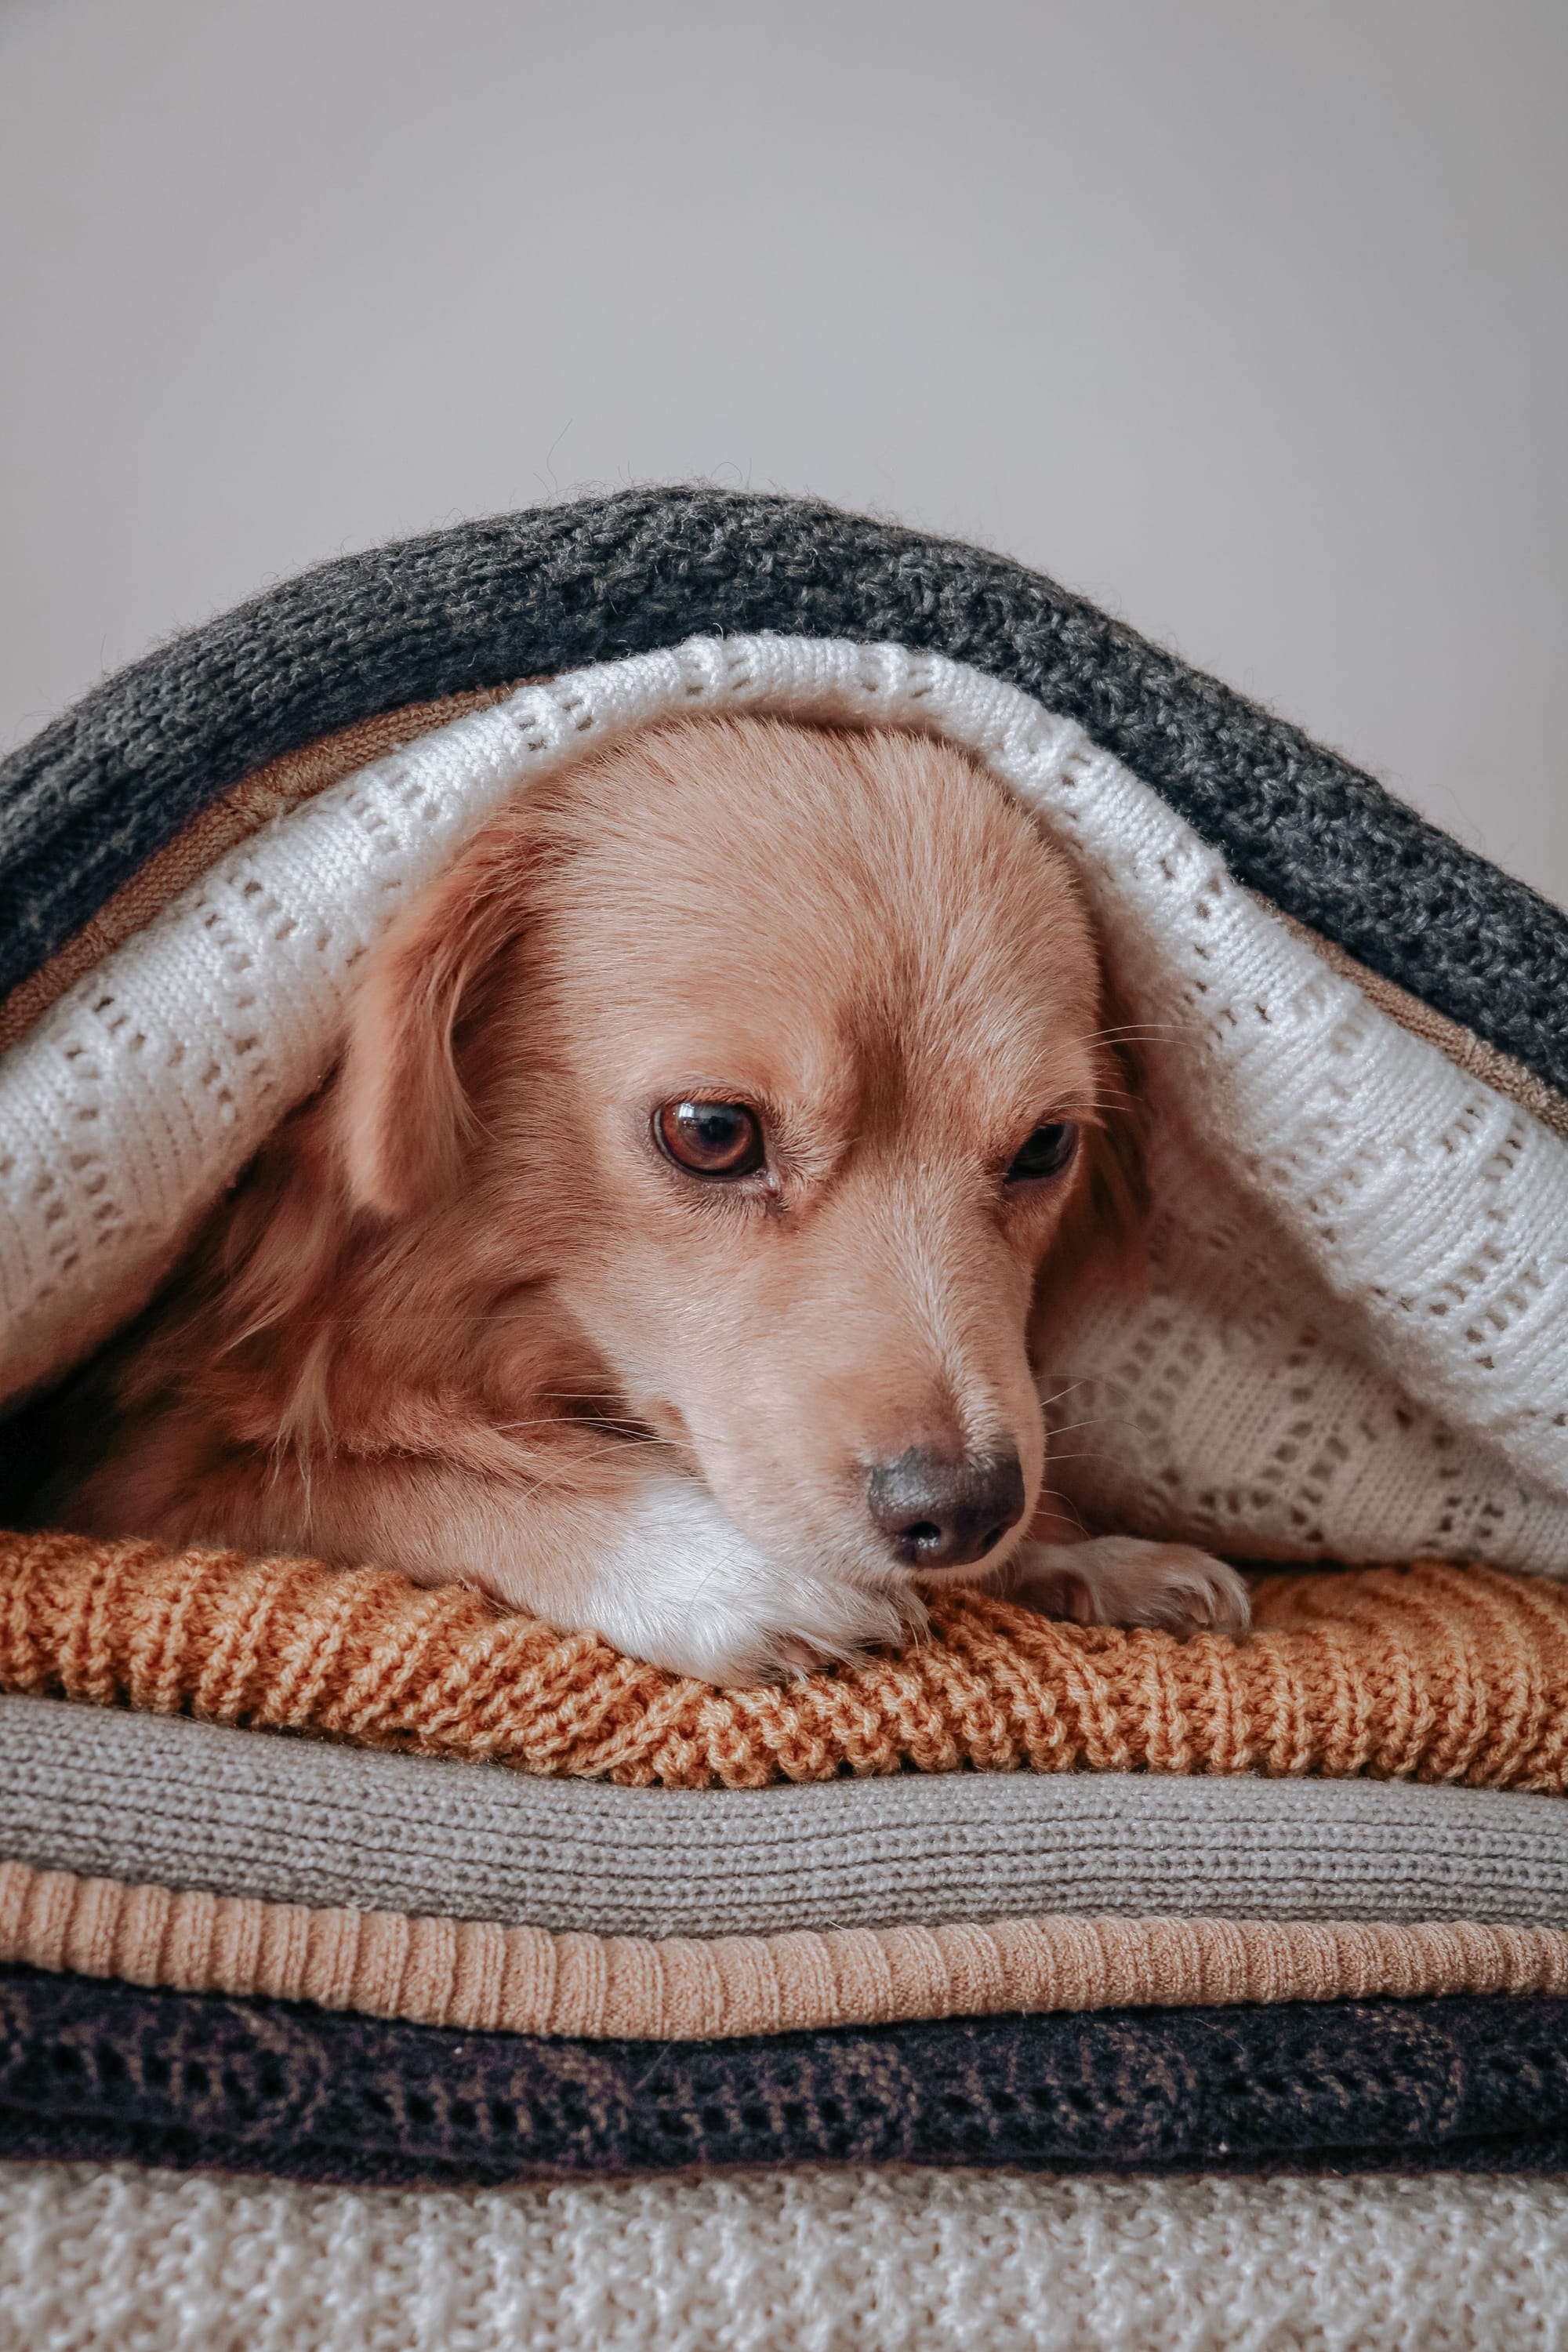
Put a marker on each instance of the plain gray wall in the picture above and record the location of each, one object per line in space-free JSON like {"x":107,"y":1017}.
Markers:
{"x":1244,"y":317}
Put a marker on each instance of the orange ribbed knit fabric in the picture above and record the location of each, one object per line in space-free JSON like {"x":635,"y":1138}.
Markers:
{"x":1429,"y":1673}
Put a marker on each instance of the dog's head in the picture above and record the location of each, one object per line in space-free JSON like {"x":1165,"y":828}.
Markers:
{"x":773,"y":1064}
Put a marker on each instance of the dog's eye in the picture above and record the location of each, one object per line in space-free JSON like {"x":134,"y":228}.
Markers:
{"x":710,"y":1139}
{"x":1048,"y":1152}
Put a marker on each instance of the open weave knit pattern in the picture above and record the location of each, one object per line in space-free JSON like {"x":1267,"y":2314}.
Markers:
{"x":267,"y":792}
{"x":892,"y":2259}
{"x":97,"y":2068}
{"x":1430,"y":1673}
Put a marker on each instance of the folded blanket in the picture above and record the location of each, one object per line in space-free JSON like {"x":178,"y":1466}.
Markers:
{"x":102,"y":2070}
{"x":1432,"y":1673}
{"x":904,"y":2259}
{"x":435,"y":1972}
{"x":104,"y":1792}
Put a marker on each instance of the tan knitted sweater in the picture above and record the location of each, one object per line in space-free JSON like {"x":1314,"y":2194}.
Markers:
{"x":1427,"y":1672}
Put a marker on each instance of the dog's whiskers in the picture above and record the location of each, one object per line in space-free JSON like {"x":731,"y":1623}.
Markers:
{"x":1056,"y":1395}
{"x":1068,"y":1508}
{"x":1128,"y":1032}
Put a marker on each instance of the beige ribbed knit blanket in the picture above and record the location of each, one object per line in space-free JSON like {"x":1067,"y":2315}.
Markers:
{"x":526,"y":1980}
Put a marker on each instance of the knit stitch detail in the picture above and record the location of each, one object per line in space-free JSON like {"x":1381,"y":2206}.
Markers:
{"x":113,"y":1792}
{"x":92,"y":2067}
{"x":1426,"y":1673}
{"x":890,"y":2259}
{"x":473,"y":1973}
{"x":222,"y":825}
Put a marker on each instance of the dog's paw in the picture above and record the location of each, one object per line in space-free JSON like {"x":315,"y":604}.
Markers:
{"x":688,"y":1591}
{"x":1123,"y":1580}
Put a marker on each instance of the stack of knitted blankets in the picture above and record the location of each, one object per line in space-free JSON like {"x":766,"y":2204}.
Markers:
{"x":375,"y":1966}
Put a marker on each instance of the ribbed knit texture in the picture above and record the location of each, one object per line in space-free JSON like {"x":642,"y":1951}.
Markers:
{"x":99,"y":791}
{"x":108,"y":1792}
{"x":467,"y":1973}
{"x":1427,"y":1672}
{"x":107,"y":2070}
{"x":888,"y":2260}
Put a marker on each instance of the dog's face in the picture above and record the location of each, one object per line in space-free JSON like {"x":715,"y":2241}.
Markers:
{"x":769,"y":1064}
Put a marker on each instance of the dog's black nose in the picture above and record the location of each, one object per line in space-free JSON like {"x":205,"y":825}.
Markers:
{"x":937,"y":1512}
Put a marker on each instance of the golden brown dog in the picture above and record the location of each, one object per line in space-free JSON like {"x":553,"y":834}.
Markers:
{"x":668,"y":1252}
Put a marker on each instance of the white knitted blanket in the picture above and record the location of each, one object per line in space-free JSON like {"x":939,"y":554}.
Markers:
{"x":1356,"y":1338}
{"x":891,"y":2261}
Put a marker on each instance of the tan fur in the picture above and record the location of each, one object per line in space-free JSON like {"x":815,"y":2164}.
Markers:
{"x":461,"y":1315}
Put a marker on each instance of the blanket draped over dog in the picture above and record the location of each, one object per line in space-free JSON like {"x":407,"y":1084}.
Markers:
{"x":1352,"y":1346}
{"x":1352,"y":1342}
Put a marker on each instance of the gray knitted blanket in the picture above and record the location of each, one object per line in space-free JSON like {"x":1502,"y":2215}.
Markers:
{"x":99,"y":791}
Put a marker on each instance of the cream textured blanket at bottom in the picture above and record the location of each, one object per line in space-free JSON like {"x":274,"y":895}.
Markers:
{"x":889,"y":2261}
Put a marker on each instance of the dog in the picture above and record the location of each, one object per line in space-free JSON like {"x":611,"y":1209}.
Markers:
{"x":671,"y":1250}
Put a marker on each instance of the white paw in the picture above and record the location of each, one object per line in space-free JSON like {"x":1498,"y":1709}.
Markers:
{"x":688,"y":1591}
{"x":1123,"y":1580}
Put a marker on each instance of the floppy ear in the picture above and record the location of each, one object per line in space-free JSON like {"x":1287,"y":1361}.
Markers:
{"x":403,"y":1121}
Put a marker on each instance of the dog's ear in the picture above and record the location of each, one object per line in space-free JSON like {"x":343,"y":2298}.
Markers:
{"x":402,"y":1119}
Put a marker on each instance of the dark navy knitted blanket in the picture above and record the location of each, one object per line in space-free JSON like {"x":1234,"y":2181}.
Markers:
{"x":107,"y":2070}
